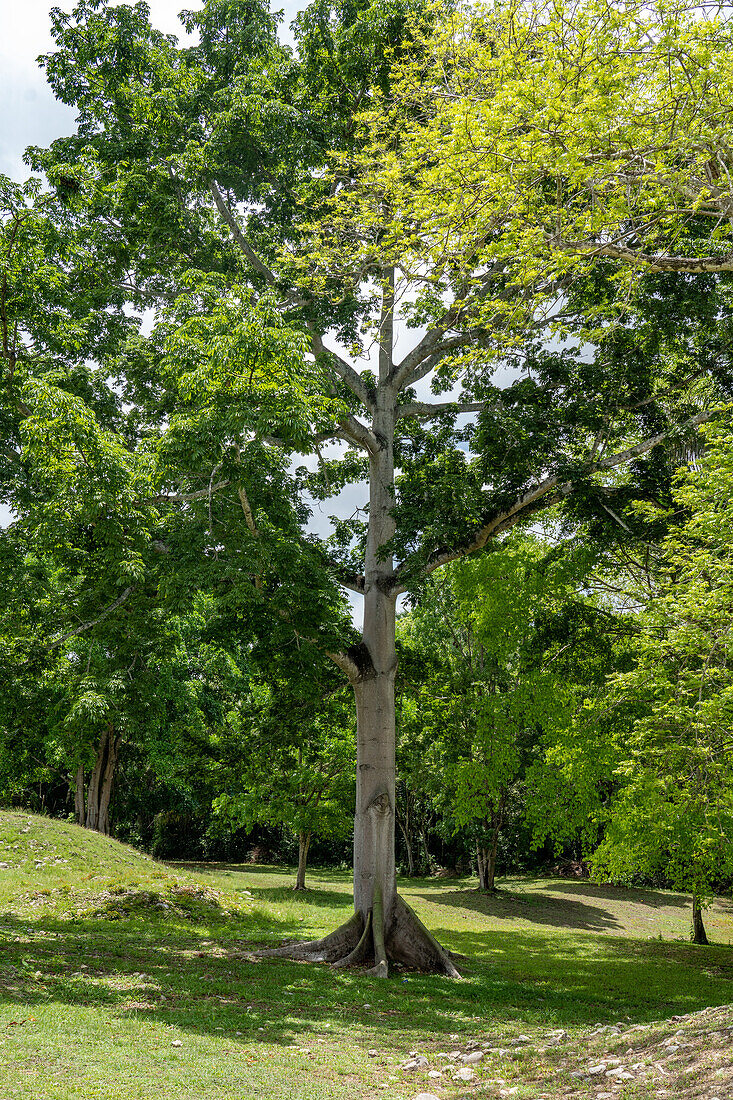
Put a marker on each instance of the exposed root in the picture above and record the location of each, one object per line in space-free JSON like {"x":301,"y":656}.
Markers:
{"x":381,"y":966}
{"x":411,"y":944}
{"x":357,"y":943}
{"x":335,"y":946}
{"x":362,"y":952}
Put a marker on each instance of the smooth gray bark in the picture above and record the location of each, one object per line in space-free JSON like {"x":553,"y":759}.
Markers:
{"x":79,"y":800}
{"x":101,"y":782}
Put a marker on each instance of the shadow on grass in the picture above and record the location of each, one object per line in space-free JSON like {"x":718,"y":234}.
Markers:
{"x":201,"y":980}
{"x":655,"y":899}
{"x":536,"y":907}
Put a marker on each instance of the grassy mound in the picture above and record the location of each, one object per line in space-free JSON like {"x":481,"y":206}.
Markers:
{"x":53,"y":867}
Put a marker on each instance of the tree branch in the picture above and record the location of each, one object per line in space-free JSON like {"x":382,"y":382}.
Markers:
{"x":424,"y":410}
{"x":686,"y":265}
{"x":344,"y":370}
{"x":245,"y":247}
{"x":93,"y":622}
{"x":184,"y":498}
{"x":545,"y":493}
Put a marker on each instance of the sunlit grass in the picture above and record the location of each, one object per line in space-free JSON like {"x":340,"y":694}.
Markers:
{"x":91,"y":1005}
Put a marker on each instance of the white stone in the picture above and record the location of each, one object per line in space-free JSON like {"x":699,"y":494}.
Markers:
{"x":595,"y":1070}
{"x":415,"y":1063}
{"x":176,"y":1043}
{"x":464,"y":1074}
{"x":425,"y":1096}
{"x":435,"y":1074}
{"x":371,"y":1053}
{"x":472,"y":1058}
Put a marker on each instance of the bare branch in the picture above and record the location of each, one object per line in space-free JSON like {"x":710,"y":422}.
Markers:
{"x":425,"y":410}
{"x":686,"y":265}
{"x":93,"y":622}
{"x":344,"y":662}
{"x":344,"y":370}
{"x":353,"y":431}
{"x":245,"y":247}
{"x":184,"y":498}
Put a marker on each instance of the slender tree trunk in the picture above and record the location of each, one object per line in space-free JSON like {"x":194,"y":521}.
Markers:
{"x":698,"y":928}
{"x":79,"y":801}
{"x":404,"y":829}
{"x":304,"y":840}
{"x":101,"y":782}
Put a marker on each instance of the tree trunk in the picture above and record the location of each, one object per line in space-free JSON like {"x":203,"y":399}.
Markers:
{"x":383,"y":925}
{"x":101,"y":782}
{"x":698,"y":928}
{"x":79,"y":801}
{"x":304,"y":840}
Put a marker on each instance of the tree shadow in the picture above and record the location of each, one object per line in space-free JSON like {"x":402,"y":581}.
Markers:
{"x":655,"y":899}
{"x":201,"y":982}
{"x":536,"y":907}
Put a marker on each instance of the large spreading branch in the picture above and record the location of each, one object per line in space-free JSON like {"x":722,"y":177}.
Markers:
{"x":660,"y":262}
{"x":351,"y":379}
{"x":426,"y":410}
{"x":245,"y":247}
{"x":547,"y":492}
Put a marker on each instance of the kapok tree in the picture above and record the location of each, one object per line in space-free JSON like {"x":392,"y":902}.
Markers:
{"x":367,"y":189}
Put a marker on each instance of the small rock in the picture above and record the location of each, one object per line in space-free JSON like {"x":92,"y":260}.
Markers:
{"x":372,"y":1053}
{"x":425,"y":1096}
{"x":464,"y":1074}
{"x":415,"y":1063}
{"x":472,"y":1058}
{"x":527,"y":1039}
{"x":455,"y":1054}
{"x":176,"y":1043}
{"x":594,"y":1071}
{"x":435,"y":1074}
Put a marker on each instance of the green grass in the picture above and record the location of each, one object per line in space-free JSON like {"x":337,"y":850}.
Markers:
{"x":108,"y":958}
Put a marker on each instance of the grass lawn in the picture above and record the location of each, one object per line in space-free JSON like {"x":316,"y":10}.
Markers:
{"x":120,"y":977}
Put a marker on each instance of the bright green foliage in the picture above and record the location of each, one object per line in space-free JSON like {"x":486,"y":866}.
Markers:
{"x":511,"y":646}
{"x":521,"y":142}
{"x":672,"y":713}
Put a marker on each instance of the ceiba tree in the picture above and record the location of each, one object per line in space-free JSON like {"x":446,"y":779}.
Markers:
{"x":477,"y":183}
